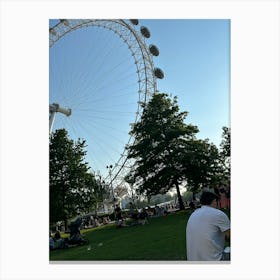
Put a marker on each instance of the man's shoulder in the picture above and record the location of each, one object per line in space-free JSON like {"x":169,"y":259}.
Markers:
{"x":213,"y":211}
{"x":206,"y":208}
{"x":218,"y":212}
{"x":221,"y":217}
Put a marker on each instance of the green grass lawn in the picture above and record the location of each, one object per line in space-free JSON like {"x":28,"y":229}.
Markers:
{"x":164,"y":238}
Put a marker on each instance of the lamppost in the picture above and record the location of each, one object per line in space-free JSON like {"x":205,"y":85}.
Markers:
{"x":101,"y":184}
{"x":110,"y":175}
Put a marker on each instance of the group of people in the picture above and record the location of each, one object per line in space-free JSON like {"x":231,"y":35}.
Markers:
{"x":206,"y":232}
{"x":75,"y":238}
{"x":133,"y":214}
{"x":138,"y":217}
{"x":56,"y":241}
{"x":95,"y":221}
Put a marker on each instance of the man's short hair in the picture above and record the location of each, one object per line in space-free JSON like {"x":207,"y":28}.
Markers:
{"x":207,"y":198}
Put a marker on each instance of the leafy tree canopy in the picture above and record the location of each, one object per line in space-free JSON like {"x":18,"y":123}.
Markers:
{"x":167,"y":152}
{"x":73,"y":189}
{"x":225,"y":154}
{"x":161,"y":137}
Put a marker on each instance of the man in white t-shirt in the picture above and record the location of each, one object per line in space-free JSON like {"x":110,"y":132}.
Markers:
{"x":206,"y":231}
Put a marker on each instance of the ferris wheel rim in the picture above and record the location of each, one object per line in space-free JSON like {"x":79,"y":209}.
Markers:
{"x":141,"y":55}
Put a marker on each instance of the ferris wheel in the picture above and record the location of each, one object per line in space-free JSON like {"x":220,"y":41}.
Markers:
{"x":101,"y":72}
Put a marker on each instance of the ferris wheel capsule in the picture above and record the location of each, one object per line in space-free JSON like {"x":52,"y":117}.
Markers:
{"x":145,"y":32}
{"x":65,"y":22}
{"x":134,"y":21}
{"x":159,"y":73}
{"x":154,"y":50}
{"x":52,"y":31}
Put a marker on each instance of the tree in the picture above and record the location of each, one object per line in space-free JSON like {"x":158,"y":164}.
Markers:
{"x":201,"y":164}
{"x":70,"y":182}
{"x":160,"y":140}
{"x":225,"y":153}
{"x":89,"y":194}
{"x":99,"y":192}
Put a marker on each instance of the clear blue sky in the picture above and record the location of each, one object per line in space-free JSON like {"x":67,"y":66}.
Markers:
{"x":195,"y":56}
{"x":93,"y":73}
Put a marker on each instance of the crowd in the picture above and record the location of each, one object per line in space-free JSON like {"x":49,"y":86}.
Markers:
{"x":91,"y":221}
{"x":56,"y":241}
{"x":134,"y":216}
{"x":206,"y":232}
{"x":75,"y":238}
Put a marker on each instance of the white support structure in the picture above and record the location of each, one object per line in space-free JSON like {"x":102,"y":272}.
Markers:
{"x":55,"y":108}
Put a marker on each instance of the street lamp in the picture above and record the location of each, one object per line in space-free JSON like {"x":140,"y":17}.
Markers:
{"x":101,"y":184}
{"x":110,"y":175}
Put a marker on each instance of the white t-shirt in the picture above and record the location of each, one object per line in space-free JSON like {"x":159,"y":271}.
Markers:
{"x":205,"y":234}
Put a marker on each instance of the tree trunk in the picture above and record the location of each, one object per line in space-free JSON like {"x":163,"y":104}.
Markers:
{"x":180,"y":200}
{"x":65,"y":225}
{"x":149,"y":199}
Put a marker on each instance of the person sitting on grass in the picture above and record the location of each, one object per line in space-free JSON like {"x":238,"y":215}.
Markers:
{"x":57,"y":242}
{"x":51,"y":241}
{"x":133,"y":213}
{"x":119,"y":218}
{"x":143,"y":217}
{"x":105,"y":221}
{"x":96,"y":221}
{"x":76,"y":237}
{"x":150,"y":211}
{"x":192,"y":205}
{"x":206,"y":231}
